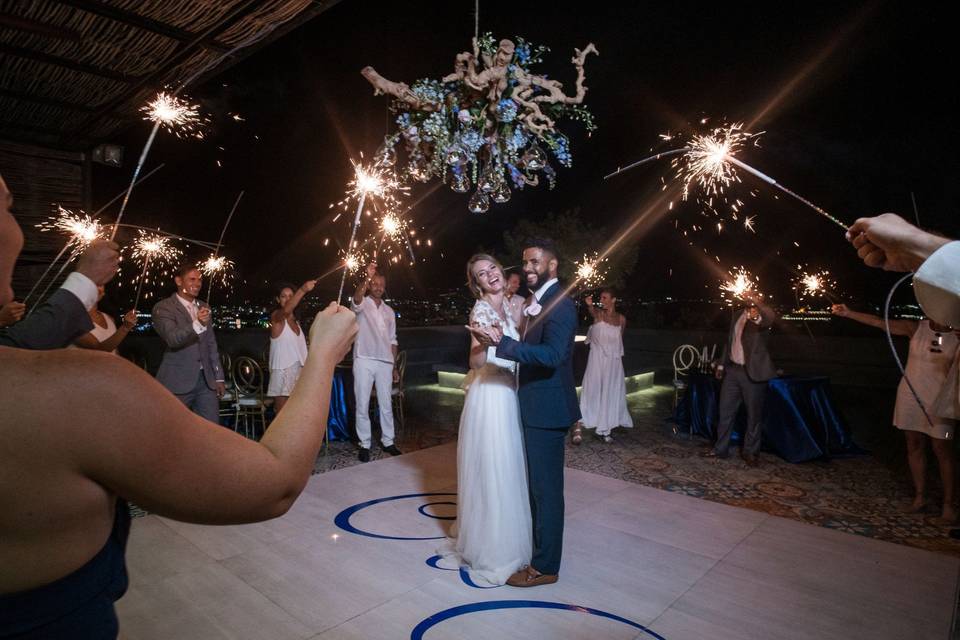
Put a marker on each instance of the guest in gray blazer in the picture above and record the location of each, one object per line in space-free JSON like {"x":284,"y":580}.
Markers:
{"x":745,"y":367}
{"x":190,"y":368}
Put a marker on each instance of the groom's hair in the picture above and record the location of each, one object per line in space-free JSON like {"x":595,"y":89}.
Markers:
{"x":545,"y":244}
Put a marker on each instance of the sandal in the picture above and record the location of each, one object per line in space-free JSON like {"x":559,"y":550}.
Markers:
{"x":577,"y":437}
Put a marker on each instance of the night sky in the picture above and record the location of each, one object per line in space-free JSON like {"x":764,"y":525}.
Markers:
{"x":860,"y":130}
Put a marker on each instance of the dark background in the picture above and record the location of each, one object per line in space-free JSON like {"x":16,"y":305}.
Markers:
{"x":870,"y":118}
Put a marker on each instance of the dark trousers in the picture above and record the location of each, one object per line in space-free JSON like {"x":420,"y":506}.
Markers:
{"x":202,"y":400}
{"x":738,"y":388}
{"x":544,"y":451}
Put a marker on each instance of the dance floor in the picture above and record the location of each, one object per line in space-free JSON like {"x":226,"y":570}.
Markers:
{"x":354,"y":559}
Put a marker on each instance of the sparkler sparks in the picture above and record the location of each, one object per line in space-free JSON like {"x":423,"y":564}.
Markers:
{"x":154,"y":252}
{"x":216,"y":267}
{"x":394,"y":227}
{"x":740,"y":284}
{"x":706,"y":160}
{"x":81,"y":228}
{"x":591,"y":271}
{"x":811,"y":284}
{"x":175,"y":114}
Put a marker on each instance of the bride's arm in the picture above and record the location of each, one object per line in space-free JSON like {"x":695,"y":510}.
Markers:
{"x":478,"y":354}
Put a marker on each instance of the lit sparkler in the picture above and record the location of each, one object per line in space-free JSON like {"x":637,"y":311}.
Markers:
{"x":379,"y":183}
{"x":216,"y":267}
{"x":708,"y":162}
{"x":152,"y":250}
{"x":591,"y":271}
{"x":811,"y":284}
{"x":175,"y":114}
{"x":740,"y":284}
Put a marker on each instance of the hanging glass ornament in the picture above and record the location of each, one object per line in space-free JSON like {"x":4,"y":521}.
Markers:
{"x":479,"y":202}
{"x":459,"y":181}
{"x":534,"y":158}
{"x":502,"y":193}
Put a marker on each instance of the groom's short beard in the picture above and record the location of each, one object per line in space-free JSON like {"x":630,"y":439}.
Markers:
{"x":541,"y":278}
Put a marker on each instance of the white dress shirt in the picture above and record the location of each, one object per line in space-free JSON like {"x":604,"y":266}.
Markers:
{"x":542,"y":290}
{"x":192,"y":308}
{"x":937,"y":285}
{"x":82,"y":287}
{"x":377,"y":331}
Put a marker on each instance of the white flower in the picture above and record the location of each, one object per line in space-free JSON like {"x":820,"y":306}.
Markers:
{"x":464,"y":116}
{"x":533,"y":309}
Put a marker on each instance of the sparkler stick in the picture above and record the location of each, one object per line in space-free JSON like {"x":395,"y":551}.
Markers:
{"x":71,"y":241}
{"x":706,"y":161}
{"x":353,"y":235}
{"x":136,"y":172}
{"x":215,"y":264}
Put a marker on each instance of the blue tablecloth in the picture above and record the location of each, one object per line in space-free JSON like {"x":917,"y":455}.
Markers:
{"x":339,"y":421}
{"x":800,"y":419}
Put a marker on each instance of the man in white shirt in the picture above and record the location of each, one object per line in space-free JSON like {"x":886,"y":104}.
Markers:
{"x":190,"y":368}
{"x":374,"y":360}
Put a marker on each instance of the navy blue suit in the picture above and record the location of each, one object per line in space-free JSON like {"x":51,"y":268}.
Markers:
{"x":548,"y":408}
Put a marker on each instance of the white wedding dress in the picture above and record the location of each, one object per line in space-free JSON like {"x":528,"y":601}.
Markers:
{"x":492,"y":537}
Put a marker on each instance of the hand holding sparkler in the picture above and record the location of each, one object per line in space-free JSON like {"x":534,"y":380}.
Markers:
{"x":130,"y":319}
{"x":840,"y":310}
{"x":203,"y":315}
{"x":891,"y":243}
{"x":100,"y":261}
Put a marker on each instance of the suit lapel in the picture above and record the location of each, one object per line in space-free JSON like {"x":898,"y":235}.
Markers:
{"x":534,"y":326}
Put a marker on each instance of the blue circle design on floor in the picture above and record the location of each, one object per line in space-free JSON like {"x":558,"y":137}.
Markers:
{"x":434,"y":562}
{"x":499,"y":605}
{"x":342,"y":519}
{"x":430,"y":515}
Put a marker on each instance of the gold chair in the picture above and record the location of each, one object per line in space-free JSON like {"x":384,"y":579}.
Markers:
{"x":250,"y":404}
{"x":227,"y":401}
{"x":397,"y":393}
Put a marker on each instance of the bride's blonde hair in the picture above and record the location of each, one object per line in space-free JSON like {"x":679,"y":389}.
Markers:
{"x":472,"y":283}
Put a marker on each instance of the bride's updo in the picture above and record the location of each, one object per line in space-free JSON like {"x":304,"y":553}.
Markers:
{"x":472,"y":283}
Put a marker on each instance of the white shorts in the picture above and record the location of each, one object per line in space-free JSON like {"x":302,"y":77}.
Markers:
{"x":282,"y":381}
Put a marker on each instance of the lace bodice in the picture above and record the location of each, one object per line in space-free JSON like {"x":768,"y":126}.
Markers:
{"x":484,"y":315}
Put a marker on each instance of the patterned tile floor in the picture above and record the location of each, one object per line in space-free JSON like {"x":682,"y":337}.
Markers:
{"x":863,"y":495}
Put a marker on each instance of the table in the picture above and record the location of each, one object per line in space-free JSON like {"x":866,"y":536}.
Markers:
{"x":800,"y":419}
{"x":340,"y":416}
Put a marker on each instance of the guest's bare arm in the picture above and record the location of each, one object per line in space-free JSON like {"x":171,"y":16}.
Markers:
{"x":141,"y":443}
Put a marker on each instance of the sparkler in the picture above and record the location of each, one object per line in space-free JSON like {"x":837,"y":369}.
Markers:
{"x":740,"y":284}
{"x":81,"y":230}
{"x":591,"y":271}
{"x":155,"y":249}
{"x":215,"y":264}
{"x":709,"y":161}
{"x":811,"y":284}
{"x":174,"y":114}
{"x":368,"y":180}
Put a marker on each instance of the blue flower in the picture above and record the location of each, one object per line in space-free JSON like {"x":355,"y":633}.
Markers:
{"x":472,"y":141}
{"x":523,"y":54}
{"x":506,"y":110}
{"x":403,"y":120}
{"x":516,"y":176}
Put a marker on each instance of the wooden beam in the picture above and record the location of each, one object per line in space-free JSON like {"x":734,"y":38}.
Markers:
{"x":111,"y":12}
{"x":32,"y":26}
{"x":46,"y":58}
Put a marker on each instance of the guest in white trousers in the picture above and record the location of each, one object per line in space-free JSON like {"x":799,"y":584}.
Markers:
{"x":603,"y":400}
{"x":374,"y":360}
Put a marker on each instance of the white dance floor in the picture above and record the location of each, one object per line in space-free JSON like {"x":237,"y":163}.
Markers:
{"x":352,"y":560}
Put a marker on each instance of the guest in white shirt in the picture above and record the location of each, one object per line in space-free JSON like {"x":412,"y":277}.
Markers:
{"x":288,"y":344}
{"x":513,"y":297}
{"x":374,"y":360}
{"x":105,"y":335}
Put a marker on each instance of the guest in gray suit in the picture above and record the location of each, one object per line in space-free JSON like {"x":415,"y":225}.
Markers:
{"x":744,"y":367}
{"x":190,"y":368}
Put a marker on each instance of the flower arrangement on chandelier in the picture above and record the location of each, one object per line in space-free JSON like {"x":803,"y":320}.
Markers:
{"x":485,"y":124}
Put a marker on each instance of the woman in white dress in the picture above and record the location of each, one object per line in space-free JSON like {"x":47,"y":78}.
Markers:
{"x":492,"y":537}
{"x":288,"y":344}
{"x":932,"y":351}
{"x":603,"y":400}
{"x":105,"y":336}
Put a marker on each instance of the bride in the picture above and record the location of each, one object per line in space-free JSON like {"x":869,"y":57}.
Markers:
{"x":492,"y":537}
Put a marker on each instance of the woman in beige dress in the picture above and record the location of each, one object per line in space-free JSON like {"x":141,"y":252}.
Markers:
{"x":932,"y":351}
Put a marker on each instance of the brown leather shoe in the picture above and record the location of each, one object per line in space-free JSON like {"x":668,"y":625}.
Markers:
{"x":530,"y":577}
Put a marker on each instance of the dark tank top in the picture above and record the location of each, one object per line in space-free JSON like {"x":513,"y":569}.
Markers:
{"x":79,"y":605}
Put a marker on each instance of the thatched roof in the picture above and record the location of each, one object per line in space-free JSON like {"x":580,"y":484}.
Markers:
{"x":73,"y":72}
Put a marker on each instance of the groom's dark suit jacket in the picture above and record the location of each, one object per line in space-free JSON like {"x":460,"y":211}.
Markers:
{"x":548,"y":396}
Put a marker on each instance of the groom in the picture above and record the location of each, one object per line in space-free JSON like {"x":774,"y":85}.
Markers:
{"x":548,"y":402}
